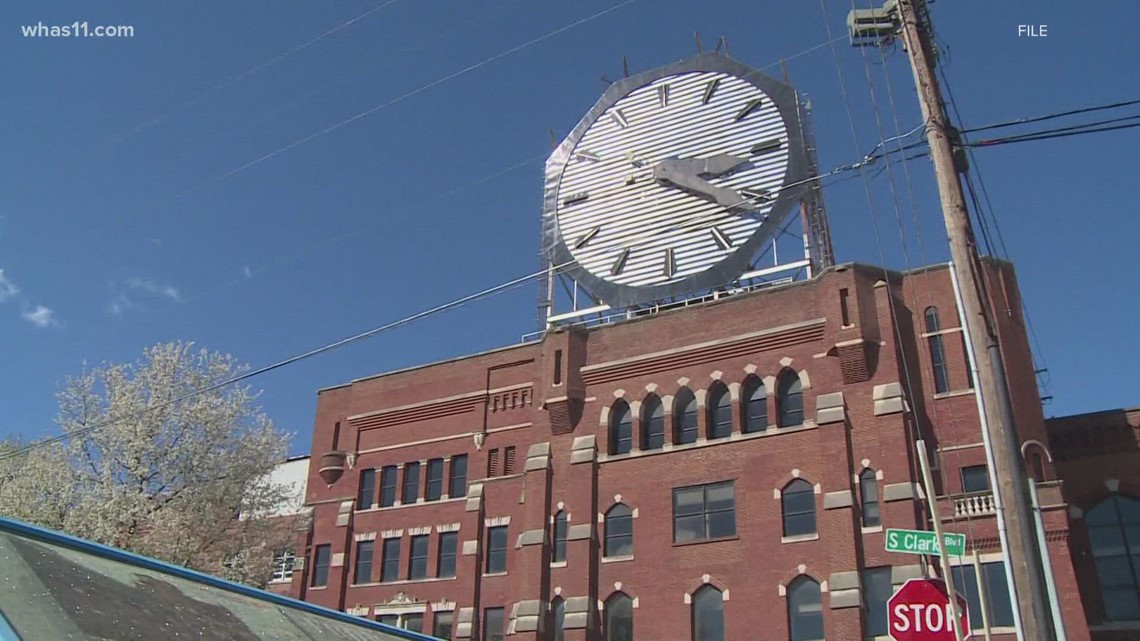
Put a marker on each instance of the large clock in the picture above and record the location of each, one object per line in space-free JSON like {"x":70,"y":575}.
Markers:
{"x":674,"y":181}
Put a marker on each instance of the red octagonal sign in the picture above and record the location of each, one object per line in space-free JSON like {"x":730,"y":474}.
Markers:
{"x":920,"y":611}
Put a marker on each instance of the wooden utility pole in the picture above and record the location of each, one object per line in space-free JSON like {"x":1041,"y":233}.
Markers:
{"x":1028,"y":590}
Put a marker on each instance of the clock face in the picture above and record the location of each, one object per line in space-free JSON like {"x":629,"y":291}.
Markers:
{"x":674,"y":181}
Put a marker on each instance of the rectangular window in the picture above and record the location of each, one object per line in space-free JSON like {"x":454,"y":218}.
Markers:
{"x":413,"y":622}
{"x":411,"y":482}
{"x":493,"y":624}
{"x":336,"y":436}
{"x":457,"y":483}
{"x":362,"y":573}
{"x":509,"y":460}
{"x":557,"y":367}
{"x":441,"y":625}
{"x":389,"y":619}
{"x":704,"y":512}
{"x":390,"y":564}
{"x":975,"y":478}
{"x":388,"y":486}
{"x":367,"y":493}
{"x":322,"y":554}
{"x":966,"y":358}
{"x":844,"y":315}
{"x":448,"y":546}
{"x":877,"y":589}
{"x":869,"y":493}
{"x":493,"y":463}
{"x":997,"y":594}
{"x":938,"y":363}
{"x":418,"y":560}
{"x":434,"y":480}
{"x":496,"y":549}
{"x":283,"y":560}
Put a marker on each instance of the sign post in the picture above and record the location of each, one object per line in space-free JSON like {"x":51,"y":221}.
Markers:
{"x":924,"y":542}
{"x":920,"y":611}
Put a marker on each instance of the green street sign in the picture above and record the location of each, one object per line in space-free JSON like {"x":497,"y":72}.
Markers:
{"x":923,"y":542}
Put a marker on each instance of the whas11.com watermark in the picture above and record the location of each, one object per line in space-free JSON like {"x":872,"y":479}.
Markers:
{"x":76,"y":29}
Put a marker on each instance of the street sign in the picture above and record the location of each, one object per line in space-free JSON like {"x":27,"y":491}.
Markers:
{"x":920,"y":611}
{"x":923,"y":542}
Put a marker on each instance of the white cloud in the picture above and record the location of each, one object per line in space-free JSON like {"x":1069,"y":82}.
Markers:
{"x":134,"y":293}
{"x":150,"y":287}
{"x":40,"y":316}
{"x":8,"y":289}
{"x":247,"y":271}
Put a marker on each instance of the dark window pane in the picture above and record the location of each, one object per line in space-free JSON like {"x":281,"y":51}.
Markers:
{"x":448,"y":545}
{"x":798,"y":502}
{"x":388,"y":486}
{"x":685,"y":418}
{"x":619,"y":618}
{"x":411,"y":482}
{"x":703,"y":512}
{"x":441,"y":624}
{"x":756,"y":406}
{"x":618,"y":531}
{"x":389,"y":619}
{"x":560,"y":529}
{"x":558,"y":614}
{"x":789,"y":400}
{"x":321,"y":557}
{"x":869,"y":494}
{"x":805,"y":610}
{"x":413,"y":622}
{"x":621,"y":429}
{"x":877,"y":589}
{"x":933,"y":323}
{"x":720,"y":414}
{"x":367,"y":492}
{"x":434,"y":488}
{"x":497,"y":549}
{"x":938,"y":364}
{"x":457,"y":484}
{"x":975,"y":478}
{"x":362,"y":573}
{"x":493,"y":624}
{"x":708,"y":615}
{"x":993,"y":577}
{"x":689,"y":500}
{"x":688,"y":528}
{"x":652,"y":424}
{"x":390,"y":563}
{"x":418,"y":560}
{"x":722,"y":524}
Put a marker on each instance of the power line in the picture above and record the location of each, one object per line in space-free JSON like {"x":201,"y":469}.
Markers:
{"x":1062,"y":114}
{"x":1050,"y":134}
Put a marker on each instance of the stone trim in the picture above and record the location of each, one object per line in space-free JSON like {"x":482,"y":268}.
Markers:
{"x":579,"y":532}
{"x":584,"y":449}
{"x":888,"y":399}
{"x":531,"y":537}
{"x":417,"y":531}
{"x":496,"y":521}
{"x":839,"y":599}
{"x":463,"y":623}
{"x":443,"y":606}
{"x":337,"y":560}
{"x":391,"y":534}
{"x":527,"y":616}
{"x":829,"y":408}
{"x":537,"y":457}
{"x":902,"y":492}
{"x":835,"y":500}
{"x":844,"y":580}
{"x":344,"y":513}
{"x":447,"y":527}
{"x":471,"y":547}
{"x":364,"y":536}
{"x":474,"y":498}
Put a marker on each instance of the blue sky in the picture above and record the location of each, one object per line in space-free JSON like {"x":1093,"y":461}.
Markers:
{"x":192,"y":182}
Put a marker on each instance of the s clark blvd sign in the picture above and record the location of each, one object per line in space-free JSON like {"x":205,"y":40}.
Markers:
{"x":923,"y":542}
{"x":920,"y":611}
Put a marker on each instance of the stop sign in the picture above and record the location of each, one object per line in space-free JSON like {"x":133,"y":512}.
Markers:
{"x":920,"y":611}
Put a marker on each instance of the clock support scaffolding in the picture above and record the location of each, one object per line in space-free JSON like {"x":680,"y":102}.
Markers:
{"x":800,"y":250}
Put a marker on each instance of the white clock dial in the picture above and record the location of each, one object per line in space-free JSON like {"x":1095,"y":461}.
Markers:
{"x":672,"y":177}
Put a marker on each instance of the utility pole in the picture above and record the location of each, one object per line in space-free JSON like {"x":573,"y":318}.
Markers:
{"x":1028,"y":593}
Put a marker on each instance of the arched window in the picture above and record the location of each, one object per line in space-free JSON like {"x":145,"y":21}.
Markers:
{"x":685,"y":417}
{"x":652,"y":423}
{"x":869,"y":498}
{"x":618,"y":536}
{"x":619,"y":617}
{"x":937,"y":350}
{"x":720,"y":412}
{"x":621,"y":429}
{"x":708,"y":614}
{"x":559,"y":538}
{"x":1114,"y":530}
{"x":755,"y":405}
{"x":797,"y":501}
{"x":557,"y":616}
{"x":789,"y":399}
{"x":805,"y":610}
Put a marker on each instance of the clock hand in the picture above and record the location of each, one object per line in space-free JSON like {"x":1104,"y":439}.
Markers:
{"x":688,"y":175}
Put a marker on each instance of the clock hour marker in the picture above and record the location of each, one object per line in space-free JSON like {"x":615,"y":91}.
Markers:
{"x":587,"y":237}
{"x":619,"y":264}
{"x":663,"y":95}
{"x":587,"y":155}
{"x":710,"y":89}
{"x":748,"y":108}
{"x":765,"y":147}
{"x":720,"y":238}
{"x":670,"y":263}
{"x":575,"y":198}
{"x":619,"y":118}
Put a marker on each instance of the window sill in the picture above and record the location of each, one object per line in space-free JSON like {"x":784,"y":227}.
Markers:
{"x":617,"y":559}
{"x":799,"y":538}
{"x":430,"y":579}
{"x":703,"y":541}
{"x":735,"y":437}
{"x":493,"y":574}
{"x":281,"y":581}
{"x":873,"y":529}
{"x":953,"y":393}
{"x":377,"y":508}
{"x":557,"y":564}
{"x":318,"y":588}
{"x":1115,"y":625}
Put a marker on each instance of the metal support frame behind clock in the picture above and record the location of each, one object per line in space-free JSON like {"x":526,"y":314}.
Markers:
{"x":562,"y":302}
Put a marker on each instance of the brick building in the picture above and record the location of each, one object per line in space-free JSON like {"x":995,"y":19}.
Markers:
{"x":721,"y":470}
